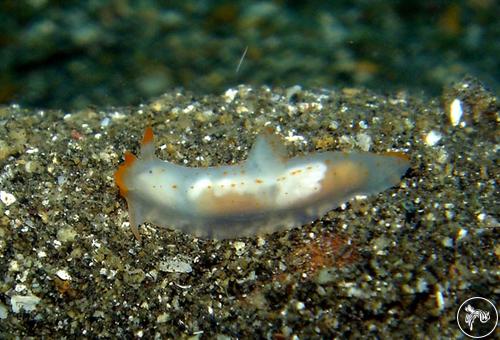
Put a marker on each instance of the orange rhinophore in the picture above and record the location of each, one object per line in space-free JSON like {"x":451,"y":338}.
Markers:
{"x":148,"y":136}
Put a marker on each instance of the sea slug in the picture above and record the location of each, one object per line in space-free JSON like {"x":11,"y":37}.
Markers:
{"x":266,"y":193}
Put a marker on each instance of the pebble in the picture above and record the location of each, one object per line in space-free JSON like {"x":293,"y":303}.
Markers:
{"x":456,"y":112}
{"x":433,"y":137}
{"x":24,"y":302}
{"x":175,"y":266}
{"x":3,"y":312}
{"x":63,"y":275}
{"x":7,"y":198}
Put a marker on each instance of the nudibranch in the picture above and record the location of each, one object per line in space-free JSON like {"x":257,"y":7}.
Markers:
{"x":266,"y":193}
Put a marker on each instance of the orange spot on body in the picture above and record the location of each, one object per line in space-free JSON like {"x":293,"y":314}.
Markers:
{"x":174,"y":186}
{"x":259,"y":181}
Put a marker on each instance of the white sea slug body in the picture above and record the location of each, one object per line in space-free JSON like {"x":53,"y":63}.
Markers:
{"x":266,"y":193}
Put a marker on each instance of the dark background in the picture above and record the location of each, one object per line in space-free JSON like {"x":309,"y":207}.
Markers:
{"x":72,"y":54}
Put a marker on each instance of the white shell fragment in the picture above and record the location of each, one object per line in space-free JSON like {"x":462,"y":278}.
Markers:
{"x":27,"y":303}
{"x":230,"y":94}
{"x":63,"y":275}
{"x":175,"y":266}
{"x":239,"y":247}
{"x":455,"y":112}
{"x":3,"y":312}
{"x":433,"y":137}
{"x":7,"y":198}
